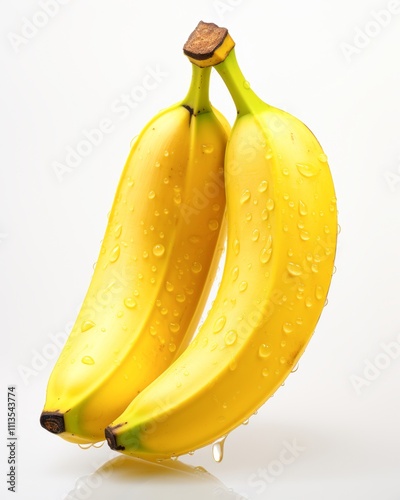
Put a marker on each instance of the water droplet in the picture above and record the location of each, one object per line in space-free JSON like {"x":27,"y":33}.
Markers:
{"x":309,"y":302}
{"x":304,"y":235}
{"x":249,"y":216}
{"x":180,"y":297}
{"x":166,"y":153}
{"x":219,"y":324}
{"x":269,"y":154}
{"x":322,"y":158}
{"x":87,"y":325}
{"x":264,"y":351}
{"x":131,"y":182}
{"x":287,"y":327}
{"x":158,"y":250}
{"x":255,"y":235}
{"x":302,"y":208}
{"x":194,"y":239}
{"x":236,"y":247}
{"x":196,"y":267}
{"x":265,"y":254}
{"x":218,"y":449}
{"x":282,"y":360}
{"x":114,"y":255}
{"x":130,"y":303}
{"x":294,"y":269}
{"x":264,"y":214}
{"x":285,"y":171}
{"x":294,"y":370}
{"x":85,"y":446}
{"x":265,"y":372}
{"x":157,"y":164}
{"x":270,"y":204}
{"x":169,"y":286}
{"x":243,"y":286}
{"x":207,"y":148}
{"x":118,"y":230}
{"x":246,"y":84}
{"x":235,"y":273}
{"x":87,"y":360}
{"x":314,"y":267}
{"x":263,"y":186}
{"x":245,"y":196}
{"x":153,"y":330}
{"x":307,"y":170}
{"x":171,"y":347}
{"x":319,"y":292}
{"x":174,"y":327}
{"x":230,"y":337}
{"x":213,"y":224}
{"x":151,"y":195}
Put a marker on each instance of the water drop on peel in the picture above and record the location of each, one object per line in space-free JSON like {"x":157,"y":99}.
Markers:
{"x":180,"y":297}
{"x":294,"y":370}
{"x":196,"y":267}
{"x":174,"y":327}
{"x":235,"y":273}
{"x":245,"y":196}
{"x":166,"y":153}
{"x":263,"y":186}
{"x":255,"y":235}
{"x":114,"y":255}
{"x":287,"y":327}
{"x":269,"y":154}
{"x":158,"y":250}
{"x":307,"y":170}
{"x":302,"y":208}
{"x":264,"y":351}
{"x":129,"y":302}
{"x":304,"y":235}
{"x":151,"y":195}
{"x":243,"y":286}
{"x":169,"y":286}
{"x":270,"y":204}
{"x":265,"y":255}
{"x":171,"y":347}
{"x":87,"y":360}
{"x":294,"y":269}
{"x":246,"y":84}
{"x":207,"y":148}
{"x":309,"y":302}
{"x":230,"y":337}
{"x":322,"y":158}
{"x":319,"y":292}
{"x":118,"y":230}
{"x":236,"y":247}
{"x":87,"y":325}
{"x":218,"y":449}
{"x":219,"y":324}
{"x":213,"y":224}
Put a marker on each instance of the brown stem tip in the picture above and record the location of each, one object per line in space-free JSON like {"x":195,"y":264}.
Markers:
{"x":204,"y":41}
{"x":52,"y":422}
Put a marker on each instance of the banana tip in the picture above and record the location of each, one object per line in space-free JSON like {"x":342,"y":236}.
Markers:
{"x":52,"y":422}
{"x":112,"y":440}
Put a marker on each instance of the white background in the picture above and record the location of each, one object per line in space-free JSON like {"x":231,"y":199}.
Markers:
{"x":332,"y":64}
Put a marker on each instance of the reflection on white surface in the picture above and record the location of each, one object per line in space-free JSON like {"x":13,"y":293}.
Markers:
{"x":129,"y":478}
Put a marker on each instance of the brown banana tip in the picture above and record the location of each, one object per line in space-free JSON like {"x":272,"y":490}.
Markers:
{"x":112,"y":440}
{"x":204,"y":40}
{"x":52,"y":422}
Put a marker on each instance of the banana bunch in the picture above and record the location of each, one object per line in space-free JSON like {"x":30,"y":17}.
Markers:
{"x":132,"y":370}
{"x":157,"y":262}
{"x":281,"y":240}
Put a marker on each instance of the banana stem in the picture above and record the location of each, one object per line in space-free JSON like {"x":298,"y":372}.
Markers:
{"x":245,"y":99}
{"x":197,"y":97}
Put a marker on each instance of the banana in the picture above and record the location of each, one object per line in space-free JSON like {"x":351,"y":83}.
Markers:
{"x":160,"y":253}
{"x":281,"y":242}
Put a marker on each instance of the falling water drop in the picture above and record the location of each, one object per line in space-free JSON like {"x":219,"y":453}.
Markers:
{"x":218,"y":449}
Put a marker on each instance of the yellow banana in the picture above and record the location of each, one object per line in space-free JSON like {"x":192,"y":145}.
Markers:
{"x":159,"y":256}
{"x":282,"y":227}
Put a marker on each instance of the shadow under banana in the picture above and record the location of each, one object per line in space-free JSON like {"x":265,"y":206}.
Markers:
{"x":128,"y":478}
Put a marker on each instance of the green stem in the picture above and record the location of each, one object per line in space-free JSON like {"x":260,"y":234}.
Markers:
{"x":197,"y":97}
{"x":245,"y":99}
